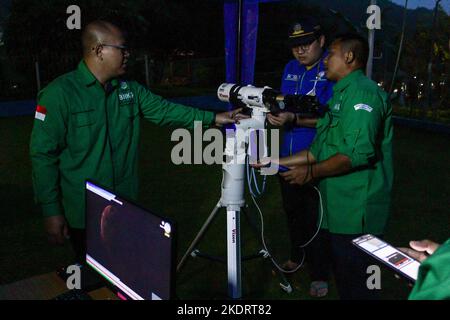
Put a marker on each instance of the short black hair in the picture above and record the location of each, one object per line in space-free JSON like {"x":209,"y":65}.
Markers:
{"x":355,"y":43}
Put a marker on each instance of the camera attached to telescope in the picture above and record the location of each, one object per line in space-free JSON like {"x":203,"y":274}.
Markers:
{"x":271,"y":101}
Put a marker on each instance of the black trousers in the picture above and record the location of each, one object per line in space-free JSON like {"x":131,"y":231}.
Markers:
{"x":78,"y":242}
{"x":301,"y":205}
{"x":349,"y":266}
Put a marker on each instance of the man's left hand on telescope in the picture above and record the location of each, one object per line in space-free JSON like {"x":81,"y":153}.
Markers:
{"x":230,"y":117}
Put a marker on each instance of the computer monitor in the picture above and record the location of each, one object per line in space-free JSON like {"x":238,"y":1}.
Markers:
{"x":129,"y":246}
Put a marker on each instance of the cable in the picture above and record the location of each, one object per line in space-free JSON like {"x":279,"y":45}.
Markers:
{"x":263,"y":188}
{"x":320,"y":221}
{"x":251,"y":176}
{"x":302,"y":246}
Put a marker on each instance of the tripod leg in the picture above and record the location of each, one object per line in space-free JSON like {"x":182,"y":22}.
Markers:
{"x":234,"y":254}
{"x":199,"y":236}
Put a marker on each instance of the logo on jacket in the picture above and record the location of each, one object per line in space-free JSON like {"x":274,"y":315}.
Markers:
{"x":319,"y":77}
{"x":363,"y":107}
{"x":291,"y":77}
{"x":126,"y":96}
{"x":123,"y":85}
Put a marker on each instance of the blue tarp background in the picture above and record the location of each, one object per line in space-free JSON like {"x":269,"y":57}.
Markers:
{"x":249,"y":35}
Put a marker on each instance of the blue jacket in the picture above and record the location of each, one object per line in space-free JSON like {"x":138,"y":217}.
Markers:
{"x":298,"y":80}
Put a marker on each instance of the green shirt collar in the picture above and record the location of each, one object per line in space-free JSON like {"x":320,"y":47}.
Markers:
{"x":88,"y":77}
{"x":345,"y":82}
{"x":85,"y":74}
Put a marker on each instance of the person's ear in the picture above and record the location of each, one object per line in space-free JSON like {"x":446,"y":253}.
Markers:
{"x":322,"y":41}
{"x":349,"y":57}
{"x":99,"y":52}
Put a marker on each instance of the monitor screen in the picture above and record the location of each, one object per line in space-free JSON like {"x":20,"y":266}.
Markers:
{"x":131,"y":247}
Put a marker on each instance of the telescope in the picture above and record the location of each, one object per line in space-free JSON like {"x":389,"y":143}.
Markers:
{"x":241,"y":143}
{"x":268,"y":100}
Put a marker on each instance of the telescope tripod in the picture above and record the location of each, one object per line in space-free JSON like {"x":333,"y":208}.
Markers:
{"x":234,"y":258}
{"x":233,"y":200}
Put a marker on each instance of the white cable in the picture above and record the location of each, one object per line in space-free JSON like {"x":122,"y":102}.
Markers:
{"x":263,"y":188}
{"x":302,"y":246}
{"x":251,"y":176}
{"x":320,"y":222}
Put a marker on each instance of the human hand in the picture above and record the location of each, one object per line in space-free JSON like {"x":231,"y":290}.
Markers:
{"x":300,"y":175}
{"x":281,"y":118}
{"x":264,"y":162}
{"x":230,"y":117}
{"x":420,"y":249}
{"x":57,"y":229}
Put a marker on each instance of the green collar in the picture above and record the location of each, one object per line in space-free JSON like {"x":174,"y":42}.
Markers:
{"x":88,"y":77}
{"x":347,"y":80}
{"x":85,"y":74}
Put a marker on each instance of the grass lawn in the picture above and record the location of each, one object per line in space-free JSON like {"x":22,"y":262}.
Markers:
{"x":189,"y":193}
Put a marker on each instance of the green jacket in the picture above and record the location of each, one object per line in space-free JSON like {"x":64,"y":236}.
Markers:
{"x":359,"y":126}
{"x":83,"y":131}
{"x":433,"y":282}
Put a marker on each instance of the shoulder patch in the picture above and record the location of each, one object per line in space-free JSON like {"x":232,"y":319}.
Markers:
{"x":41,"y":113}
{"x":363,"y":107}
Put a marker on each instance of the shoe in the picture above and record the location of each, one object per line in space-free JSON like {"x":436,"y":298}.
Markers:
{"x":318,"y":289}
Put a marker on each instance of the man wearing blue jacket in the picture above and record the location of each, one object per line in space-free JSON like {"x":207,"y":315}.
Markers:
{"x":304,"y":75}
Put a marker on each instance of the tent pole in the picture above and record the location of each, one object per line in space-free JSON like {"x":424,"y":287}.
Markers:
{"x":239,"y":43}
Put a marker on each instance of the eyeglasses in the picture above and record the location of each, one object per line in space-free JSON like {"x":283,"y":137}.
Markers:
{"x":124,"y":49}
{"x":303,"y":47}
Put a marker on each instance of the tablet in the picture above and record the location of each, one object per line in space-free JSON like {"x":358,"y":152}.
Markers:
{"x":396,"y":260}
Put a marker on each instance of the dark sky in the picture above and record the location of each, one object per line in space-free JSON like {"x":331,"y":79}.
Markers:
{"x":413,"y":4}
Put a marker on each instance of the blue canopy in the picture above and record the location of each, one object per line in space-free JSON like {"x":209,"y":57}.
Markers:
{"x":241,"y":32}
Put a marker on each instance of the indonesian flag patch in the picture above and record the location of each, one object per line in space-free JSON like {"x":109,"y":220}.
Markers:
{"x":41,"y":113}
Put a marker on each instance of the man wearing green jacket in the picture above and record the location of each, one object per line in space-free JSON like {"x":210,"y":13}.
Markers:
{"x":352,"y":157}
{"x":87,"y":127}
{"x":433,"y":281}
